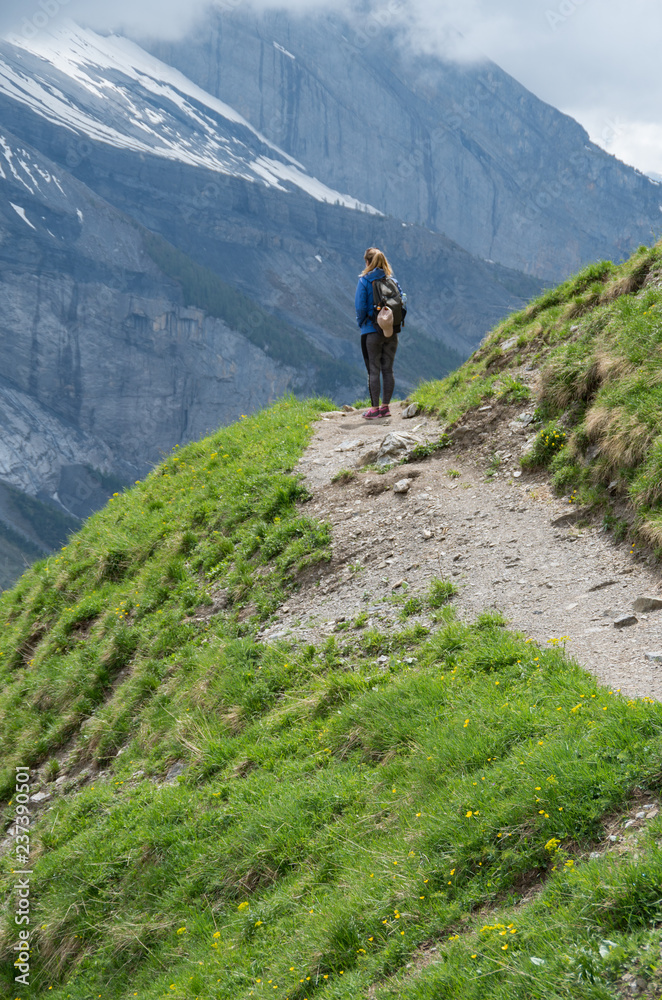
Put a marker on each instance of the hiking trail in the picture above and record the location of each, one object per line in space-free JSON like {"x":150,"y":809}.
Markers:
{"x":501,"y":535}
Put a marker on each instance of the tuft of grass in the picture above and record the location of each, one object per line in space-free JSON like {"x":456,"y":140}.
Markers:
{"x":440,"y":593}
{"x":344,"y":476}
{"x":512,"y":390}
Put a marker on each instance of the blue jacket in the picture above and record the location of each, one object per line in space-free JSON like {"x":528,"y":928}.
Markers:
{"x":364,"y":301}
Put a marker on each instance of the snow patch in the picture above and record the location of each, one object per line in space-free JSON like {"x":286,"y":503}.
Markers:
{"x":9,"y":157}
{"x":284,"y":51}
{"x":21,"y":212}
{"x":274,"y":173}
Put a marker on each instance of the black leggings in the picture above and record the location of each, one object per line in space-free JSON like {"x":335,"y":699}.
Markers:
{"x":379,"y":355}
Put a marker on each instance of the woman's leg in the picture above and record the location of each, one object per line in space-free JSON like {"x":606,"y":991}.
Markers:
{"x":374,"y":349}
{"x":389,"y":348}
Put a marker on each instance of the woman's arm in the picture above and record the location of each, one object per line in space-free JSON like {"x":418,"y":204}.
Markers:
{"x":363,"y":309}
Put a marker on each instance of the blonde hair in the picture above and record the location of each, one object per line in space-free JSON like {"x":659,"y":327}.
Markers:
{"x":375,"y":258}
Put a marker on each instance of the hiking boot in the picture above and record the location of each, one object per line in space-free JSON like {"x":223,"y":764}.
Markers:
{"x":372,"y":414}
{"x":384,"y":411}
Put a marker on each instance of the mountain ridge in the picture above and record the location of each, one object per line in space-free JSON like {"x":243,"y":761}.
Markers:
{"x":463,"y":150}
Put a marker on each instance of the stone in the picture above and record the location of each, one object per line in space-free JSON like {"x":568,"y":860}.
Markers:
{"x":647,"y":603}
{"x":517,"y":474}
{"x":350,"y":445}
{"x":655,"y":657}
{"x":412,"y":411}
{"x":507,"y":344}
{"x":369,"y":457}
{"x":403,"y":486}
{"x":602,"y":586}
{"x":427,"y":534}
{"x":394,"y":447}
{"x":40,"y":797}
{"x":349,"y":409}
{"x":574,"y":515}
{"x":625,"y":620}
{"x":174,"y":772}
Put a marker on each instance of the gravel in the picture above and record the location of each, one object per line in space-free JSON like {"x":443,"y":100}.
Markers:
{"x":508,"y":543}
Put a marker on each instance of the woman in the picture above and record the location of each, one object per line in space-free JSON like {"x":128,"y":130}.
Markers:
{"x":378,"y":350}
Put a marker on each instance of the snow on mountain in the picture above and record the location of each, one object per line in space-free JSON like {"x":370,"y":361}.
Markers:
{"x":109,"y":90}
{"x":23,"y":169}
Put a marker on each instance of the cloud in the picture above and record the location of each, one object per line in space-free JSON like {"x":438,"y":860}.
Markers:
{"x":157,"y":18}
{"x":153,"y":18}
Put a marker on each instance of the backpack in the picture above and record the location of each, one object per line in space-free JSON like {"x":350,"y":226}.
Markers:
{"x":385,"y":293}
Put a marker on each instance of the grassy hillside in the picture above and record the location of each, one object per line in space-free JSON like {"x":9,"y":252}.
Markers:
{"x":418,"y":813}
{"x":597,"y":340}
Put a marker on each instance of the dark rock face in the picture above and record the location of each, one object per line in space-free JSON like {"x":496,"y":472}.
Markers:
{"x":463,"y":150}
{"x":102,"y":367}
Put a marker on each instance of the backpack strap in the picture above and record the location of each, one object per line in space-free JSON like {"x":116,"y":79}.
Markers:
{"x":376,"y":297}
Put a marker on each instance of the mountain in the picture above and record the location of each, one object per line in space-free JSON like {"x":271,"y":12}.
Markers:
{"x":165,"y":269}
{"x":461,"y":149}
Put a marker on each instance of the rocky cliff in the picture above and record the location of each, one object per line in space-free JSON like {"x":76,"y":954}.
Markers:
{"x":461,"y":149}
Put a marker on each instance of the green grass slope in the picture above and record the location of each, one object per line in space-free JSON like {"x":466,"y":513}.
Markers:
{"x":421,"y":813}
{"x":597,"y":340}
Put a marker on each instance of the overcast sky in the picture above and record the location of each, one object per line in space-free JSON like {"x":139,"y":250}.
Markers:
{"x":597,"y":60}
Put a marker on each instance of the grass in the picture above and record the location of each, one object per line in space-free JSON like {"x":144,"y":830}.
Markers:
{"x":336,"y":816}
{"x":596,"y":340}
{"x":216,"y":522}
{"x":344,"y":476}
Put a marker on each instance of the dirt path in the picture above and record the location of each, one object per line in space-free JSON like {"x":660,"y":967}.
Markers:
{"x":499,"y":539}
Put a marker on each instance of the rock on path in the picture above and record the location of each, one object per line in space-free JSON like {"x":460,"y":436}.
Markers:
{"x":508,"y":543}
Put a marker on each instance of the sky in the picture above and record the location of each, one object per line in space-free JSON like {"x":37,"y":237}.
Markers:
{"x":596,"y":60}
